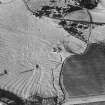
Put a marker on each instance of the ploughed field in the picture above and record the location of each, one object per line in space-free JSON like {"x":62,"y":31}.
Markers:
{"x":34,"y":45}
{"x":84,"y":75}
{"x":27,"y":60}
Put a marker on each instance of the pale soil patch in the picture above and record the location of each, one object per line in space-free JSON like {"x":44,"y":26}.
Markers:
{"x":26,"y":41}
